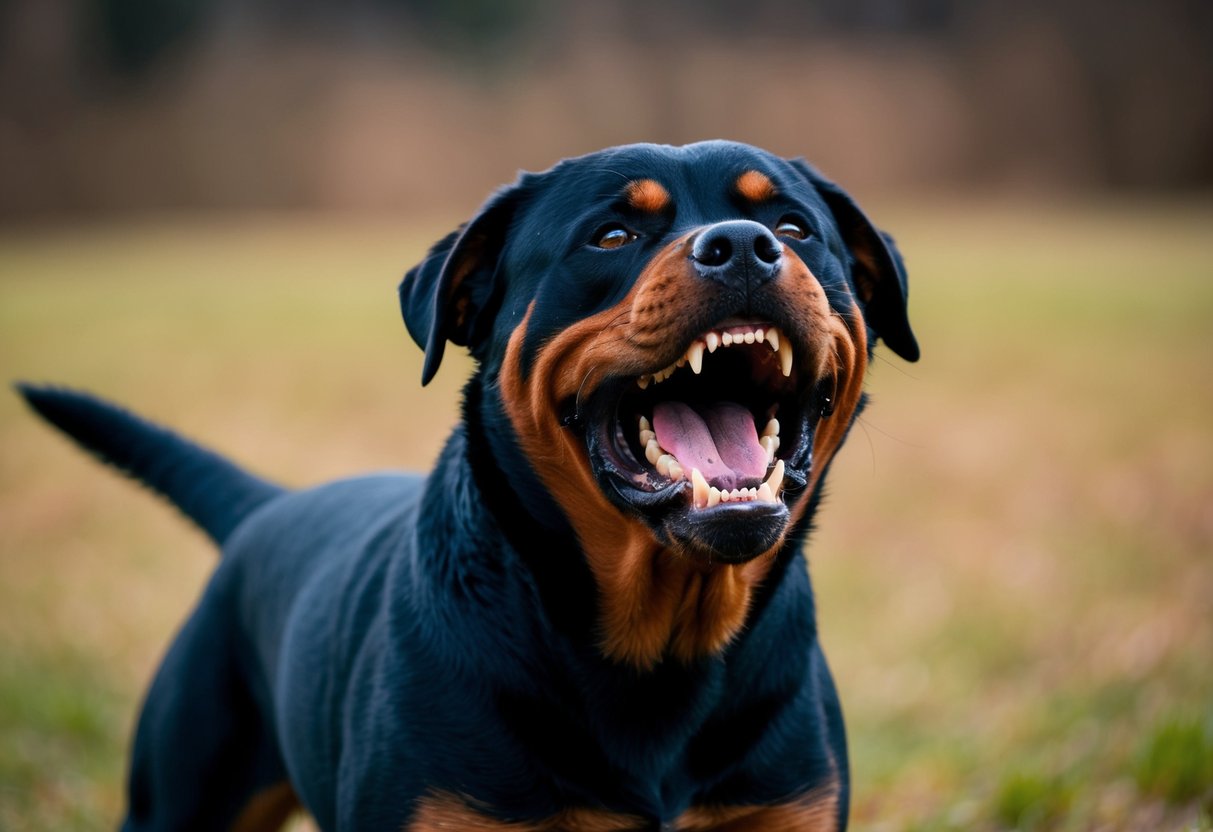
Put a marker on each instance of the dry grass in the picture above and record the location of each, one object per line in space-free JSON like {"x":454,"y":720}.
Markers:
{"x":1015,"y":565}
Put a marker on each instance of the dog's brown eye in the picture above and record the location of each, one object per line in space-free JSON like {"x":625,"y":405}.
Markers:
{"x":613,"y":236}
{"x":789,"y":227}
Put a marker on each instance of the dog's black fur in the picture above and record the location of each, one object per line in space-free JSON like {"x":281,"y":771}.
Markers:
{"x":469,"y":649}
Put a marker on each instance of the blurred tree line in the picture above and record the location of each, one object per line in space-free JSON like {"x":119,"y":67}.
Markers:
{"x":142,"y":104}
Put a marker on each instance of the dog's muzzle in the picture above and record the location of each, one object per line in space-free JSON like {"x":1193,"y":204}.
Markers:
{"x":740,"y":254}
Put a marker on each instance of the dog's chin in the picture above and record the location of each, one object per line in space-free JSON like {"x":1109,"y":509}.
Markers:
{"x":724,"y":533}
{"x":727,"y":534}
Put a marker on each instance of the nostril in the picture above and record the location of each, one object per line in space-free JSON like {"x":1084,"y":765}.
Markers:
{"x":713,"y":251}
{"x":767,"y":249}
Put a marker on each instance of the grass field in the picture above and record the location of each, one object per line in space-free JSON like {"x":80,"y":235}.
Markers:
{"x":1014,"y":566}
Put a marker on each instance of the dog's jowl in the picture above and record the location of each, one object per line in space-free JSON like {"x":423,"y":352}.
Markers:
{"x":594,"y":612}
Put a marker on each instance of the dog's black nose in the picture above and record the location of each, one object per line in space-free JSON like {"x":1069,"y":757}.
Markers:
{"x":739,"y":253}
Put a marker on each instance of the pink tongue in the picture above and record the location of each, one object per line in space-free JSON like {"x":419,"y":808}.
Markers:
{"x":719,"y":440}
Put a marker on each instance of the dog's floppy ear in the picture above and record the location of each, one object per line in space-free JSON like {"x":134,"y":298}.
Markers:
{"x":878,"y":270}
{"x":452,"y":295}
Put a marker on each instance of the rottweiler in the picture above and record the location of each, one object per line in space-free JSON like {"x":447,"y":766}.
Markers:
{"x":594,"y":612}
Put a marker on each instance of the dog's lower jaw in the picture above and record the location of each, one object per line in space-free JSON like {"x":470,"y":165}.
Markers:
{"x":654,"y":600}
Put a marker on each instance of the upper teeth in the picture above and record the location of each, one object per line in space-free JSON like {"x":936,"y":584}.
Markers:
{"x":711,"y":341}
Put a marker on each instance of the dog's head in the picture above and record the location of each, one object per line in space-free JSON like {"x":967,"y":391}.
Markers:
{"x":679,"y":338}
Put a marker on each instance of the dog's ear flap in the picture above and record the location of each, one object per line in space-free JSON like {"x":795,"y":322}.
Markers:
{"x":451,"y":295}
{"x":878,"y":270}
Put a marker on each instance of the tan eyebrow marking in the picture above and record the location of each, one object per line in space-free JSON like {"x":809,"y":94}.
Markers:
{"x":648,"y":195}
{"x":755,"y":186}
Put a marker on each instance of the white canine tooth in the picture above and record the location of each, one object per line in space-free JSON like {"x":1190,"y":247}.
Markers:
{"x":773,"y":339}
{"x":713,"y":496}
{"x":646,"y":435}
{"x":712,"y":340}
{"x":645,"y":424}
{"x":663,"y":464}
{"x":652,"y":452}
{"x":775,"y":481}
{"x":769,"y":444}
{"x":772,"y":428}
{"x":675,"y":472}
{"x":785,"y":358}
{"x":700,"y":493}
{"x":695,"y":356}
{"x":765,"y":494}
{"x":726,"y":338}
{"x":748,"y":337}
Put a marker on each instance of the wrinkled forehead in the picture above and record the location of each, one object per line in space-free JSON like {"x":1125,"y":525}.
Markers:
{"x":697,"y":183}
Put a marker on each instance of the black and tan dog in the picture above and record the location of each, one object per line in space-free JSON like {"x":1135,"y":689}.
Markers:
{"x":593,"y":613}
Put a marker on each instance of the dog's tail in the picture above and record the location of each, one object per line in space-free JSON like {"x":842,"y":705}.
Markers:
{"x":207,"y":488}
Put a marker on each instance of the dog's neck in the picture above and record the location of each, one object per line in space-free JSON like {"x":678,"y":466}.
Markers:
{"x":636,"y":602}
{"x":525,"y":513}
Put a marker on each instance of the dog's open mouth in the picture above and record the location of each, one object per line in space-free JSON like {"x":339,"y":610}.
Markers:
{"x":707,"y":447}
